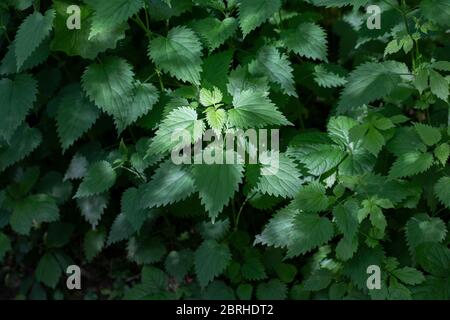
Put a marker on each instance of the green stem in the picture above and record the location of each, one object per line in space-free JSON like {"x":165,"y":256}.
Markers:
{"x":236,"y":223}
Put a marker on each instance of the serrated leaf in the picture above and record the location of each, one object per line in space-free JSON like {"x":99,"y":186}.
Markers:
{"x":211,"y":259}
{"x":216,"y":185}
{"x":307,"y":40}
{"x":18,"y":98}
{"x":92,"y":208}
{"x":170,"y":183}
{"x":276,"y":67}
{"x":76,"y":42}
{"x":214,"y":31}
{"x":369,"y":82}
{"x":346,"y":216}
{"x":298,"y":232}
{"x":121,"y":229}
{"x":442,"y":191}
{"x":312,"y":198}
{"x":421,"y":228}
{"x":179,"y":54}
{"x":75,"y":116}
{"x":410,"y":164}
{"x":77,"y":168}
{"x":33,"y":30}
{"x":177,"y":121}
{"x":93,"y":243}
{"x":252,"y":269}
{"x":272,"y":290}
{"x":436,"y":10}
{"x":442,"y":152}
{"x":22,"y":143}
{"x":99,"y":178}
{"x":439,"y":85}
{"x":38,"y":208}
{"x":253,"y":109}
{"x":282,"y":180}
{"x":326,"y":78}
{"x":253,"y":13}
{"x":210,"y":97}
{"x":409,"y":275}
{"x":131,"y":206}
{"x":110,"y":13}
{"x":216,"y":118}
{"x":38,"y":56}
{"x":429,"y":135}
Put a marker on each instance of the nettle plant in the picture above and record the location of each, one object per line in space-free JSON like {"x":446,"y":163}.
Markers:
{"x":92,"y":91}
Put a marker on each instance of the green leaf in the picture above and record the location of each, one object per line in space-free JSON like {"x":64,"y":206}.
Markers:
{"x":99,"y":178}
{"x":18,"y":98}
{"x":5,"y":245}
{"x":241,"y":80}
{"x":35,"y":208}
{"x":312,"y":198}
{"x":252,"y":269}
{"x":178,"y":263}
{"x":244,"y":291}
{"x":436,"y":10}
{"x":215,"y":70}
{"x":210,"y":97}
{"x":253,"y":109}
{"x":442,"y":153}
{"x":307,"y":40}
{"x":439,"y":85}
{"x":93,"y":243}
{"x":429,"y":135}
{"x":216,"y":118}
{"x":434,"y":258}
{"x":179,"y":54}
{"x":33,"y":30}
{"x":77,"y":42}
{"x":22,"y":143}
{"x":282,"y":180}
{"x":442,"y":191}
{"x":214,"y":31}
{"x":92,"y":208}
{"x":39,"y":55}
{"x":318,"y":158}
{"x":170,"y":183}
{"x":421,"y":228}
{"x":409,"y":275}
{"x":346,"y":216}
{"x":145,"y":249}
{"x":410,"y":164}
{"x":75,"y":116}
{"x":272,"y":290}
{"x":110,"y":13}
{"x":48,"y":270}
{"x":298,"y":232}
{"x":109,"y":85}
{"x":216,"y":185}
{"x":253,"y":13}
{"x":165,"y":9}
{"x":327,"y":78}
{"x":276,"y":67}
{"x":177,"y":121}
{"x":369,"y":82}
{"x":121,"y":229}
{"x":131,"y":205}
{"x":211,"y":260}
{"x":319,"y":280}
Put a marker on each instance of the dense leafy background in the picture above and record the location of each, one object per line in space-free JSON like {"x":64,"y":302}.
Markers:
{"x":85,"y":123}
